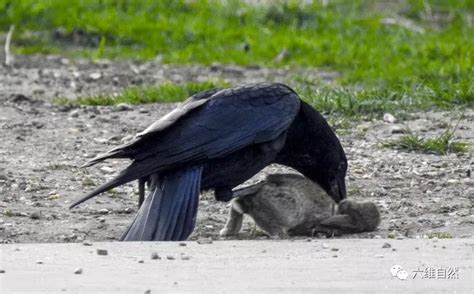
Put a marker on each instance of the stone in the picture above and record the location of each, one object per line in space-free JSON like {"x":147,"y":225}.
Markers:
{"x":102,"y":252}
{"x":107,"y":169}
{"x":103,"y":211}
{"x":388,"y":117}
{"x":204,"y":241}
{"x":95,"y":76}
{"x":123,"y":107}
{"x":154,"y":255}
{"x":397,"y":130}
{"x":35,"y":215}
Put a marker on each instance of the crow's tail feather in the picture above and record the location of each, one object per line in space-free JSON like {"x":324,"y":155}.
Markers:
{"x":169,"y":212}
{"x":123,"y":178}
{"x":136,"y":170}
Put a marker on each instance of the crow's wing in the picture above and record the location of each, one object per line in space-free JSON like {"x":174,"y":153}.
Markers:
{"x":160,"y":125}
{"x":230,"y":120}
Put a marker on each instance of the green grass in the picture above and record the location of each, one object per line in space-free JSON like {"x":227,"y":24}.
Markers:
{"x":165,"y":92}
{"x":442,"y":144}
{"x":357,"y":103}
{"x":423,"y":60}
{"x":440,"y":235}
{"x":335,"y":100}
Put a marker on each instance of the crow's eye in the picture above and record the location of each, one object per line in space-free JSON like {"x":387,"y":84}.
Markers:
{"x":342,"y":166}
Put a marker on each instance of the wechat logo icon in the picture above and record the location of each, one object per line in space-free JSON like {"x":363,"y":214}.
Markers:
{"x":399,"y":272}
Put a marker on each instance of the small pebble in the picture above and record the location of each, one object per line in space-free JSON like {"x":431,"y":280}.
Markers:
{"x":170,"y":257}
{"x":87,"y":243}
{"x":78,"y":271}
{"x":35,"y":215}
{"x":128,"y":210}
{"x":74,"y":113}
{"x":185,"y":257}
{"x":386,"y":245}
{"x":204,"y":241}
{"x":388,"y":117}
{"x":101,"y":140}
{"x":2,"y":271}
{"x":147,"y":291}
{"x":397,"y":130}
{"x":39,"y":262}
{"x":334,"y":256}
{"x":154,"y":255}
{"x":107,"y":170}
{"x":103,"y":211}
{"x":379,"y":256}
{"x":102,"y":252}
{"x":141,"y":261}
{"x":123,"y":107}
{"x":334,"y":249}
{"x":325,"y":246}
{"x":182,"y":244}
{"x":95,"y":75}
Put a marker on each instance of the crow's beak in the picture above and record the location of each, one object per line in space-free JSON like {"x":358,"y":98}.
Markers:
{"x":338,"y":189}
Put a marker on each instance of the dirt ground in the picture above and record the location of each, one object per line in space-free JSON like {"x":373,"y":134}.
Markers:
{"x":263,"y":266}
{"x":42,"y":146}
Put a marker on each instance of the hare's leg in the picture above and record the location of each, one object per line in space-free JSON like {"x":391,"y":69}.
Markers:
{"x":234,"y":221}
{"x":276,"y":232}
{"x":341,"y":222}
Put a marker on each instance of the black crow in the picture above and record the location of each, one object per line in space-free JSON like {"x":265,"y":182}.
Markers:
{"x":218,"y":139}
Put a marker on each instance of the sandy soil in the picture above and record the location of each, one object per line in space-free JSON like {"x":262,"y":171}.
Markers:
{"x":42,"y":146}
{"x":272,"y":266}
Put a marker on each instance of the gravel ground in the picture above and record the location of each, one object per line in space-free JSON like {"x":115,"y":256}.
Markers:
{"x":43,"y":146}
{"x":271,"y":266}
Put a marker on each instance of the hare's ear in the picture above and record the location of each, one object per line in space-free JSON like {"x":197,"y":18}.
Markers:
{"x":248,"y":190}
{"x":340,"y":221}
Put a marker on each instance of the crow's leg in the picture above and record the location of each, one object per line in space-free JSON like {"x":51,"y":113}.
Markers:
{"x":141,"y":191}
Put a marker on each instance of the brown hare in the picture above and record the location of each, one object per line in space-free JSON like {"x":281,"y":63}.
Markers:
{"x":289,"y":205}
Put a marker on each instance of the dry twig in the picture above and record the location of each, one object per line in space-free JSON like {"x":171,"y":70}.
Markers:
{"x":8,"y":57}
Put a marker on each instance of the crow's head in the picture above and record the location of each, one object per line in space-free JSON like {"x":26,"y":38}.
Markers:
{"x":313,"y":149}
